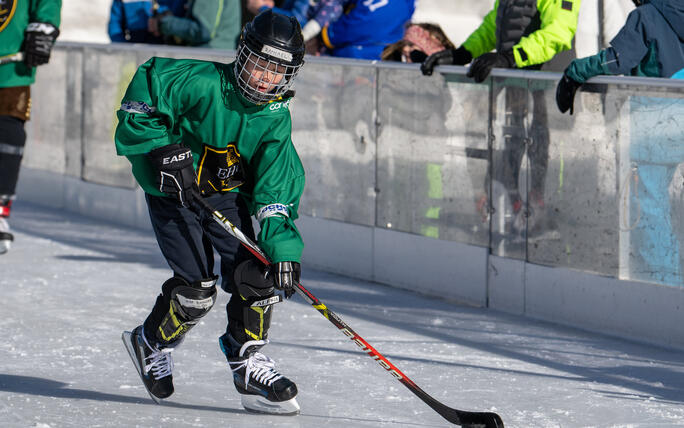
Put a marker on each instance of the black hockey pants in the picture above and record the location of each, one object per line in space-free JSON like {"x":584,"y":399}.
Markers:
{"x":188,"y":238}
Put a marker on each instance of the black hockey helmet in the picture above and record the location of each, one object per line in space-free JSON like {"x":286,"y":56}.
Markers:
{"x":269,"y":55}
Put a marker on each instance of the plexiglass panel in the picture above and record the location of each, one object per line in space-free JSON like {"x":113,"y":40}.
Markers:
{"x":650,"y":157}
{"x":432,"y":157}
{"x":56,"y":92}
{"x":493,"y":164}
{"x":554,"y":177}
{"x":106,"y":76}
{"x":334,"y":133}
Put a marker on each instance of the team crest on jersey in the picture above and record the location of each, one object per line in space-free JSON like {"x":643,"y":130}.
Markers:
{"x":219,"y":170}
{"x":7,"y":8}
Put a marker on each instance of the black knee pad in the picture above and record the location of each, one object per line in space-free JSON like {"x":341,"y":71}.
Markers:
{"x":180,"y":306}
{"x":250,"y":307}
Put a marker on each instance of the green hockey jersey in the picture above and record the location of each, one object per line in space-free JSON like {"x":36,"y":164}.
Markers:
{"x":15,"y":16}
{"x":237,"y":146}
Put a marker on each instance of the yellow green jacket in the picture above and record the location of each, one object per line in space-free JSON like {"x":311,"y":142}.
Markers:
{"x":544,"y":28}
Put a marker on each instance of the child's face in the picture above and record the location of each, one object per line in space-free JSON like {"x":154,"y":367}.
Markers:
{"x":263,"y":75}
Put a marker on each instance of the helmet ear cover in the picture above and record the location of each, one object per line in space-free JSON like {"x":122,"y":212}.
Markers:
{"x":270,"y":53}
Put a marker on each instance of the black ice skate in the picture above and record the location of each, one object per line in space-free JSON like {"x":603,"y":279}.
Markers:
{"x":154,"y":365}
{"x":262,"y":388}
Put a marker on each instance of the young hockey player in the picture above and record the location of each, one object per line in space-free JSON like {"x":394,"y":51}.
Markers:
{"x":223,"y":130}
{"x":30,"y":27}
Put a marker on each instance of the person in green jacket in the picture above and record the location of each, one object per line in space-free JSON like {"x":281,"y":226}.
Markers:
{"x":222,"y":131}
{"x":524,"y":34}
{"x":28,"y":30}
{"x":210,"y":23}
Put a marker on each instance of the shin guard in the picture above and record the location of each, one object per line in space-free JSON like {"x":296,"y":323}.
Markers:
{"x":249,"y":309}
{"x":180,"y":306}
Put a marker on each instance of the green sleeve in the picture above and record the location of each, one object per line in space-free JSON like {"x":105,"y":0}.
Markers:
{"x":278,"y":177}
{"x":46,"y":11}
{"x":483,"y":39}
{"x":582,"y":69}
{"x":558,"y":26}
{"x":145,"y":117}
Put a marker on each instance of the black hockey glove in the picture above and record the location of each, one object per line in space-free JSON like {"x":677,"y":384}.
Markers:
{"x":460,"y":56}
{"x":286,"y":274}
{"x":38,"y":40}
{"x":565,"y":93}
{"x":483,"y":64}
{"x":176,"y":174}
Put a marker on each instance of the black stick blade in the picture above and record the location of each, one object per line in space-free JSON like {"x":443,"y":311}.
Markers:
{"x":478,"y":419}
{"x":463,"y":418}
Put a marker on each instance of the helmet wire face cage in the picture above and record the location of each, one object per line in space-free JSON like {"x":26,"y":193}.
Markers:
{"x":270,"y":53}
{"x":261,"y":78}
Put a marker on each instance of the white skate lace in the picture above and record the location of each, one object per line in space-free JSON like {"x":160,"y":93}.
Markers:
{"x":160,"y":361}
{"x":258,"y":365}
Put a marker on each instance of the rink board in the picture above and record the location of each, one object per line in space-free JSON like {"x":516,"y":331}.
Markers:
{"x":446,"y":270}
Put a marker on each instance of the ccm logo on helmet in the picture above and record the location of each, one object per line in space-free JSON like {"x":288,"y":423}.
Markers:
{"x":177,"y":158}
{"x":278,"y":53}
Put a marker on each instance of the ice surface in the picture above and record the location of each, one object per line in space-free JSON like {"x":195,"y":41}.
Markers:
{"x":70,"y":285}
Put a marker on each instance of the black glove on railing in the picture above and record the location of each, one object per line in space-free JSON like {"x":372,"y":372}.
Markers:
{"x":565,"y":93}
{"x":39,"y":38}
{"x":460,"y":56}
{"x":176,"y":174}
{"x":483,"y":64}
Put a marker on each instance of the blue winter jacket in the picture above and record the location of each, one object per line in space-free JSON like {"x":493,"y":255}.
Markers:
{"x":128,"y":19}
{"x":297,"y":8}
{"x":651,"y":43}
{"x":367,"y":27}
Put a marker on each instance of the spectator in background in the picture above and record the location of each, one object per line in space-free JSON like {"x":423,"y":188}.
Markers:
{"x":419,"y":41}
{"x":256,"y":6}
{"x":128,"y":19}
{"x":526,"y":34}
{"x":209,"y":23}
{"x":365,"y":28}
{"x":651,"y":44}
{"x":31,"y":28}
{"x":312,"y":15}
{"x":295,"y":8}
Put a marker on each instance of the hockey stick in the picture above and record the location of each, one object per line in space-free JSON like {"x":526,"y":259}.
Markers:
{"x":16,"y":57}
{"x":459,"y":417}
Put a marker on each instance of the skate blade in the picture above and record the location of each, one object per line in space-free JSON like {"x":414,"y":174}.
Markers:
{"x":128,"y":343}
{"x":258,"y":404}
{"x":4,"y":246}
